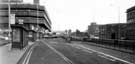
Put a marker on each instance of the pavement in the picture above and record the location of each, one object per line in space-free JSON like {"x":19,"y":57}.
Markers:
{"x":10,"y":56}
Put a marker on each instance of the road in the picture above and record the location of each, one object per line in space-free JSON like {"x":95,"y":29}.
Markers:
{"x":56,"y":51}
{"x":3,"y":42}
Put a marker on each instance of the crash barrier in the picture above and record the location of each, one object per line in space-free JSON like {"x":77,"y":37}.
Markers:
{"x":119,"y":44}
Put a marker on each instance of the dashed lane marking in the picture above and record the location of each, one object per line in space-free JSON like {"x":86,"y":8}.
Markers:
{"x":80,"y":48}
{"x":107,"y":58}
{"x":87,"y":51}
{"x":60,"y":54}
{"x":54,"y":42}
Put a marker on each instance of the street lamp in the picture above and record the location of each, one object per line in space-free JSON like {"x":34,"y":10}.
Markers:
{"x":9,"y":26}
{"x":37,"y":21}
{"x":119,"y":22}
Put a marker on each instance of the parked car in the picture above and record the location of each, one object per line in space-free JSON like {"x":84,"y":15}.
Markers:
{"x":3,"y":38}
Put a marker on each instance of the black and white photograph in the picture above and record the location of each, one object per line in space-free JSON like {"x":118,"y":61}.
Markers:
{"x":67,"y":31}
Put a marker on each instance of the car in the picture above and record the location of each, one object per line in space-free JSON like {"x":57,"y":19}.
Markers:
{"x":4,"y":38}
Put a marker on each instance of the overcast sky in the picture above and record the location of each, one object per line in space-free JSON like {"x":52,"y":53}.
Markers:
{"x":78,"y":14}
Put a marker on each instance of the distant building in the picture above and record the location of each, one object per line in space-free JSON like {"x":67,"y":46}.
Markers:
{"x":131,"y":15}
{"x":124,"y":31}
{"x":130,"y":29}
{"x":93,"y":29}
{"x":78,"y":33}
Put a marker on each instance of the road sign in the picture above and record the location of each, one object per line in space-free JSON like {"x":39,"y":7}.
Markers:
{"x":12,"y":18}
{"x":20,"y":21}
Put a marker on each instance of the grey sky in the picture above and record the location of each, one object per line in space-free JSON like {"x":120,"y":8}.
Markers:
{"x":78,"y":14}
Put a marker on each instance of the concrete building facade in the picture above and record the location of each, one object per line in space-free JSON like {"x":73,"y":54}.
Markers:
{"x":123,"y":31}
{"x":112,"y":31}
{"x":130,"y":29}
{"x":131,"y":15}
{"x":33,"y":18}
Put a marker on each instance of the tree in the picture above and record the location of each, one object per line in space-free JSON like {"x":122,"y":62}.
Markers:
{"x":78,"y":32}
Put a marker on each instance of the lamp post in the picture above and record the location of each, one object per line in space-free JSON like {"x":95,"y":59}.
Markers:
{"x":119,"y":22}
{"x":9,"y":26}
{"x":37,"y":22}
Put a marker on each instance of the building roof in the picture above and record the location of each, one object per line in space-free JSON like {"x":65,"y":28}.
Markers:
{"x":22,"y":6}
{"x":130,"y":9}
{"x":28,"y":12}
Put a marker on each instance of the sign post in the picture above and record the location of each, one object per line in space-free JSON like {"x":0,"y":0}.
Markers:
{"x":9,"y":26}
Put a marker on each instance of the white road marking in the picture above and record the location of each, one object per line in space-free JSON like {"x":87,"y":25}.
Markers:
{"x":80,"y":48}
{"x":105,"y":54}
{"x":107,"y":58}
{"x":87,"y":51}
{"x":60,"y":54}
{"x":27,"y":57}
{"x":54,"y":42}
{"x":76,"y":47}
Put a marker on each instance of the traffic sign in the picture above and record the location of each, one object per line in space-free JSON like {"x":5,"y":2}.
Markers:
{"x":20,"y":21}
{"x":12,"y":19}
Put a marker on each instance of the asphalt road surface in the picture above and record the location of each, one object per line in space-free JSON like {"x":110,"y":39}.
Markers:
{"x":56,"y":52}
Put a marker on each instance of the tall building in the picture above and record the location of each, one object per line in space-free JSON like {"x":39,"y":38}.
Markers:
{"x":14,"y":1}
{"x":112,"y":31}
{"x":27,"y":17}
{"x":131,"y":15}
{"x":130,"y":29}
